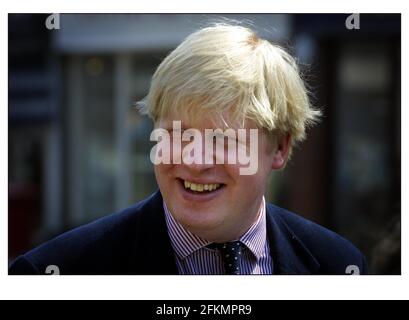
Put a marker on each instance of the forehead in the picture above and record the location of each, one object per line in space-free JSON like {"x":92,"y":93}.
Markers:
{"x":223,"y":121}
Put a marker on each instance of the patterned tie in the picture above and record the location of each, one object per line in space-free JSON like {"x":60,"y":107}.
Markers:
{"x":231,"y":253}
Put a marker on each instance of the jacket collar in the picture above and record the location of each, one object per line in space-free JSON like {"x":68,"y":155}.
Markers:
{"x":290,"y":256}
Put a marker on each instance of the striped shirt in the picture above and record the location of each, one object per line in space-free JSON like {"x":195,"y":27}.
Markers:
{"x":193,"y":257}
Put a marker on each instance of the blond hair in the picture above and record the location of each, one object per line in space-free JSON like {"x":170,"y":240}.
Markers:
{"x":229,"y":68}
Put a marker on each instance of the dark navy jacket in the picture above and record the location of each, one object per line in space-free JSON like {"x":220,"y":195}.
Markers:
{"x":135,"y":241}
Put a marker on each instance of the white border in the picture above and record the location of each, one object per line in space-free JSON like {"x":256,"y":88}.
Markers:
{"x":202,"y":287}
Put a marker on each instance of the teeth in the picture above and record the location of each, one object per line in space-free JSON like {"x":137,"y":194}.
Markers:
{"x":198,"y":187}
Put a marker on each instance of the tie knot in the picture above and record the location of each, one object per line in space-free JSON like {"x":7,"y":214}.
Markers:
{"x":231,"y":255}
{"x":226,"y":246}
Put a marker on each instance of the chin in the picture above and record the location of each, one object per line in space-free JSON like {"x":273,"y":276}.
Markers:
{"x":196,"y":221}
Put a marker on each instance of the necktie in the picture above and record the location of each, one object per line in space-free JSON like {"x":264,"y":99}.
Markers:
{"x":231,"y":253}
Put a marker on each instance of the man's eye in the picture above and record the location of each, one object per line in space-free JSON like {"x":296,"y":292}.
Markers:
{"x":224,"y":139}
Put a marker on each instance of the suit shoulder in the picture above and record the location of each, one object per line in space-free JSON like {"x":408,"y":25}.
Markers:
{"x":331,"y":250}
{"x":93,"y":248}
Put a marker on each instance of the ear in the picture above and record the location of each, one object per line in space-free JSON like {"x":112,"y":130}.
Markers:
{"x":281,"y":153}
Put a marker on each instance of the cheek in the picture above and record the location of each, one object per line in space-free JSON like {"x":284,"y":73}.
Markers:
{"x":263,"y":168}
{"x":162,"y":172}
{"x":266,"y":157}
{"x":246,"y":182}
{"x":254,"y":183}
{"x":232,"y":171}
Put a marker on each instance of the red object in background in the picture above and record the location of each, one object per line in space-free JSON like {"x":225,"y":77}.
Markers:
{"x":23,"y":213}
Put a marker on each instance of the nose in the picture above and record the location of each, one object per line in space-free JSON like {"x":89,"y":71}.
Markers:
{"x":198,"y":156}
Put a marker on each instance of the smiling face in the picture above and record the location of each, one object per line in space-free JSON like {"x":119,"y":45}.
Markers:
{"x":214,"y":201}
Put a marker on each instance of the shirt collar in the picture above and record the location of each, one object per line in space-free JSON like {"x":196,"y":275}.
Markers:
{"x":255,"y":238}
{"x":185,"y":243}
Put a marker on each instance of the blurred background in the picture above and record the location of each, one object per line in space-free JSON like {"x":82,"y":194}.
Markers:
{"x":78,"y":149}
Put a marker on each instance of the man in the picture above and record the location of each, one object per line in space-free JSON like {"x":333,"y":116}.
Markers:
{"x":210,"y":215}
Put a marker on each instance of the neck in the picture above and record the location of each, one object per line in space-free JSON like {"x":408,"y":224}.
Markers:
{"x":232,"y":233}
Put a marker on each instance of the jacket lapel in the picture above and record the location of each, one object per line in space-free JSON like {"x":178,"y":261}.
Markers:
{"x":289,"y":254}
{"x":155,"y":253}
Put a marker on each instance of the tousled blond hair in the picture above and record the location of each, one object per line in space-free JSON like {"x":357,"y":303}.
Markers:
{"x":229,"y":68}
